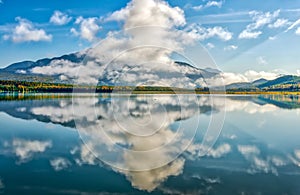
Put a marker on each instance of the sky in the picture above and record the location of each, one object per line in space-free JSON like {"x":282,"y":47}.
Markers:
{"x":242,"y":37}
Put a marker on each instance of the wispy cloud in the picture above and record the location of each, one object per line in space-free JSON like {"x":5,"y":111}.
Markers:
{"x":25,"y":31}
{"x":260,"y":19}
{"x":210,"y":45}
{"x":293,"y":25}
{"x":230,"y":48}
{"x":59,"y":18}
{"x":203,"y":33}
{"x":207,"y":5}
{"x":279,"y":23}
{"x":261,"y":60}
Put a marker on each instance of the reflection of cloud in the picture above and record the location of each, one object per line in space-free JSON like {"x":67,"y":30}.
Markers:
{"x":86,"y":156}
{"x":258,"y":164}
{"x":230,"y":136}
{"x":2,"y":186}
{"x":249,"y":107}
{"x":278,"y":161}
{"x":207,"y":179}
{"x":297,"y":154}
{"x":59,"y":164}
{"x":149,"y":180}
{"x":295,"y":159}
{"x":220,"y":151}
{"x":119,"y":124}
{"x":247,"y":150}
{"x":25,"y":149}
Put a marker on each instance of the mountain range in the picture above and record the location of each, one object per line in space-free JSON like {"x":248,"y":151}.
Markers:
{"x":22,"y":71}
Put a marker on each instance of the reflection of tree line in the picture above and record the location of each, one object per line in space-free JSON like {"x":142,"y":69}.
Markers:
{"x":282,"y":101}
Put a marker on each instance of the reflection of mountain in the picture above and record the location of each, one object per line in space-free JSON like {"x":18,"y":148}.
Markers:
{"x":281,"y":101}
{"x":24,"y":110}
{"x":59,"y":111}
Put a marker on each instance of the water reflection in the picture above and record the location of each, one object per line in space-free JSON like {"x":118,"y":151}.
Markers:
{"x":259,"y":142}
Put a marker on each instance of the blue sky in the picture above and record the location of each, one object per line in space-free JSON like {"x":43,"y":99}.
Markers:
{"x":240,"y":35}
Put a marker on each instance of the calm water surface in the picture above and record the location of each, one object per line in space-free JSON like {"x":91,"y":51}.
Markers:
{"x":83,"y":145}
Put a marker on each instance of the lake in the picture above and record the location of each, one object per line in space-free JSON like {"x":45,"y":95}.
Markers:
{"x":149,"y":144}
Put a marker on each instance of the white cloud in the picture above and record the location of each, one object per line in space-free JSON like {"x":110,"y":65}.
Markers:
{"x":88,"y":28}
{"x":259,"y":19}
{"x":279,"y":23}
{"x":210,"y":45}
{"x":25,"y":149}
{"x":272,"y":38}
{"x":21,"y":71}
{"x":230,"y":48}
{"x":26,"y":32}
{"x":208,"y":4}
{"x":254,"y":75}
{"x":149,"y":12}
{"x":201,"y":33}
{"x":229,"y":78}
{"x":298,"y":31}
{"x":198,"y":7}
{"x":248,"y":76}
{"x":261,"y":60}
{"x":59,"y":18}
{"x":246,"y":34}
{"x":59,"y":164}
{"x":214,"y":3}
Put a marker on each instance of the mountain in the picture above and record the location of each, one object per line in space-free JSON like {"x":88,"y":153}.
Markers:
{"x":286,"y":82}
{"x":21,"y":71}
{"x":20,"y":67}
{"x":180,"y":74}
{"x":259,"y":82}
{"x":184,"y":72}
{"x":247,"y":85}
